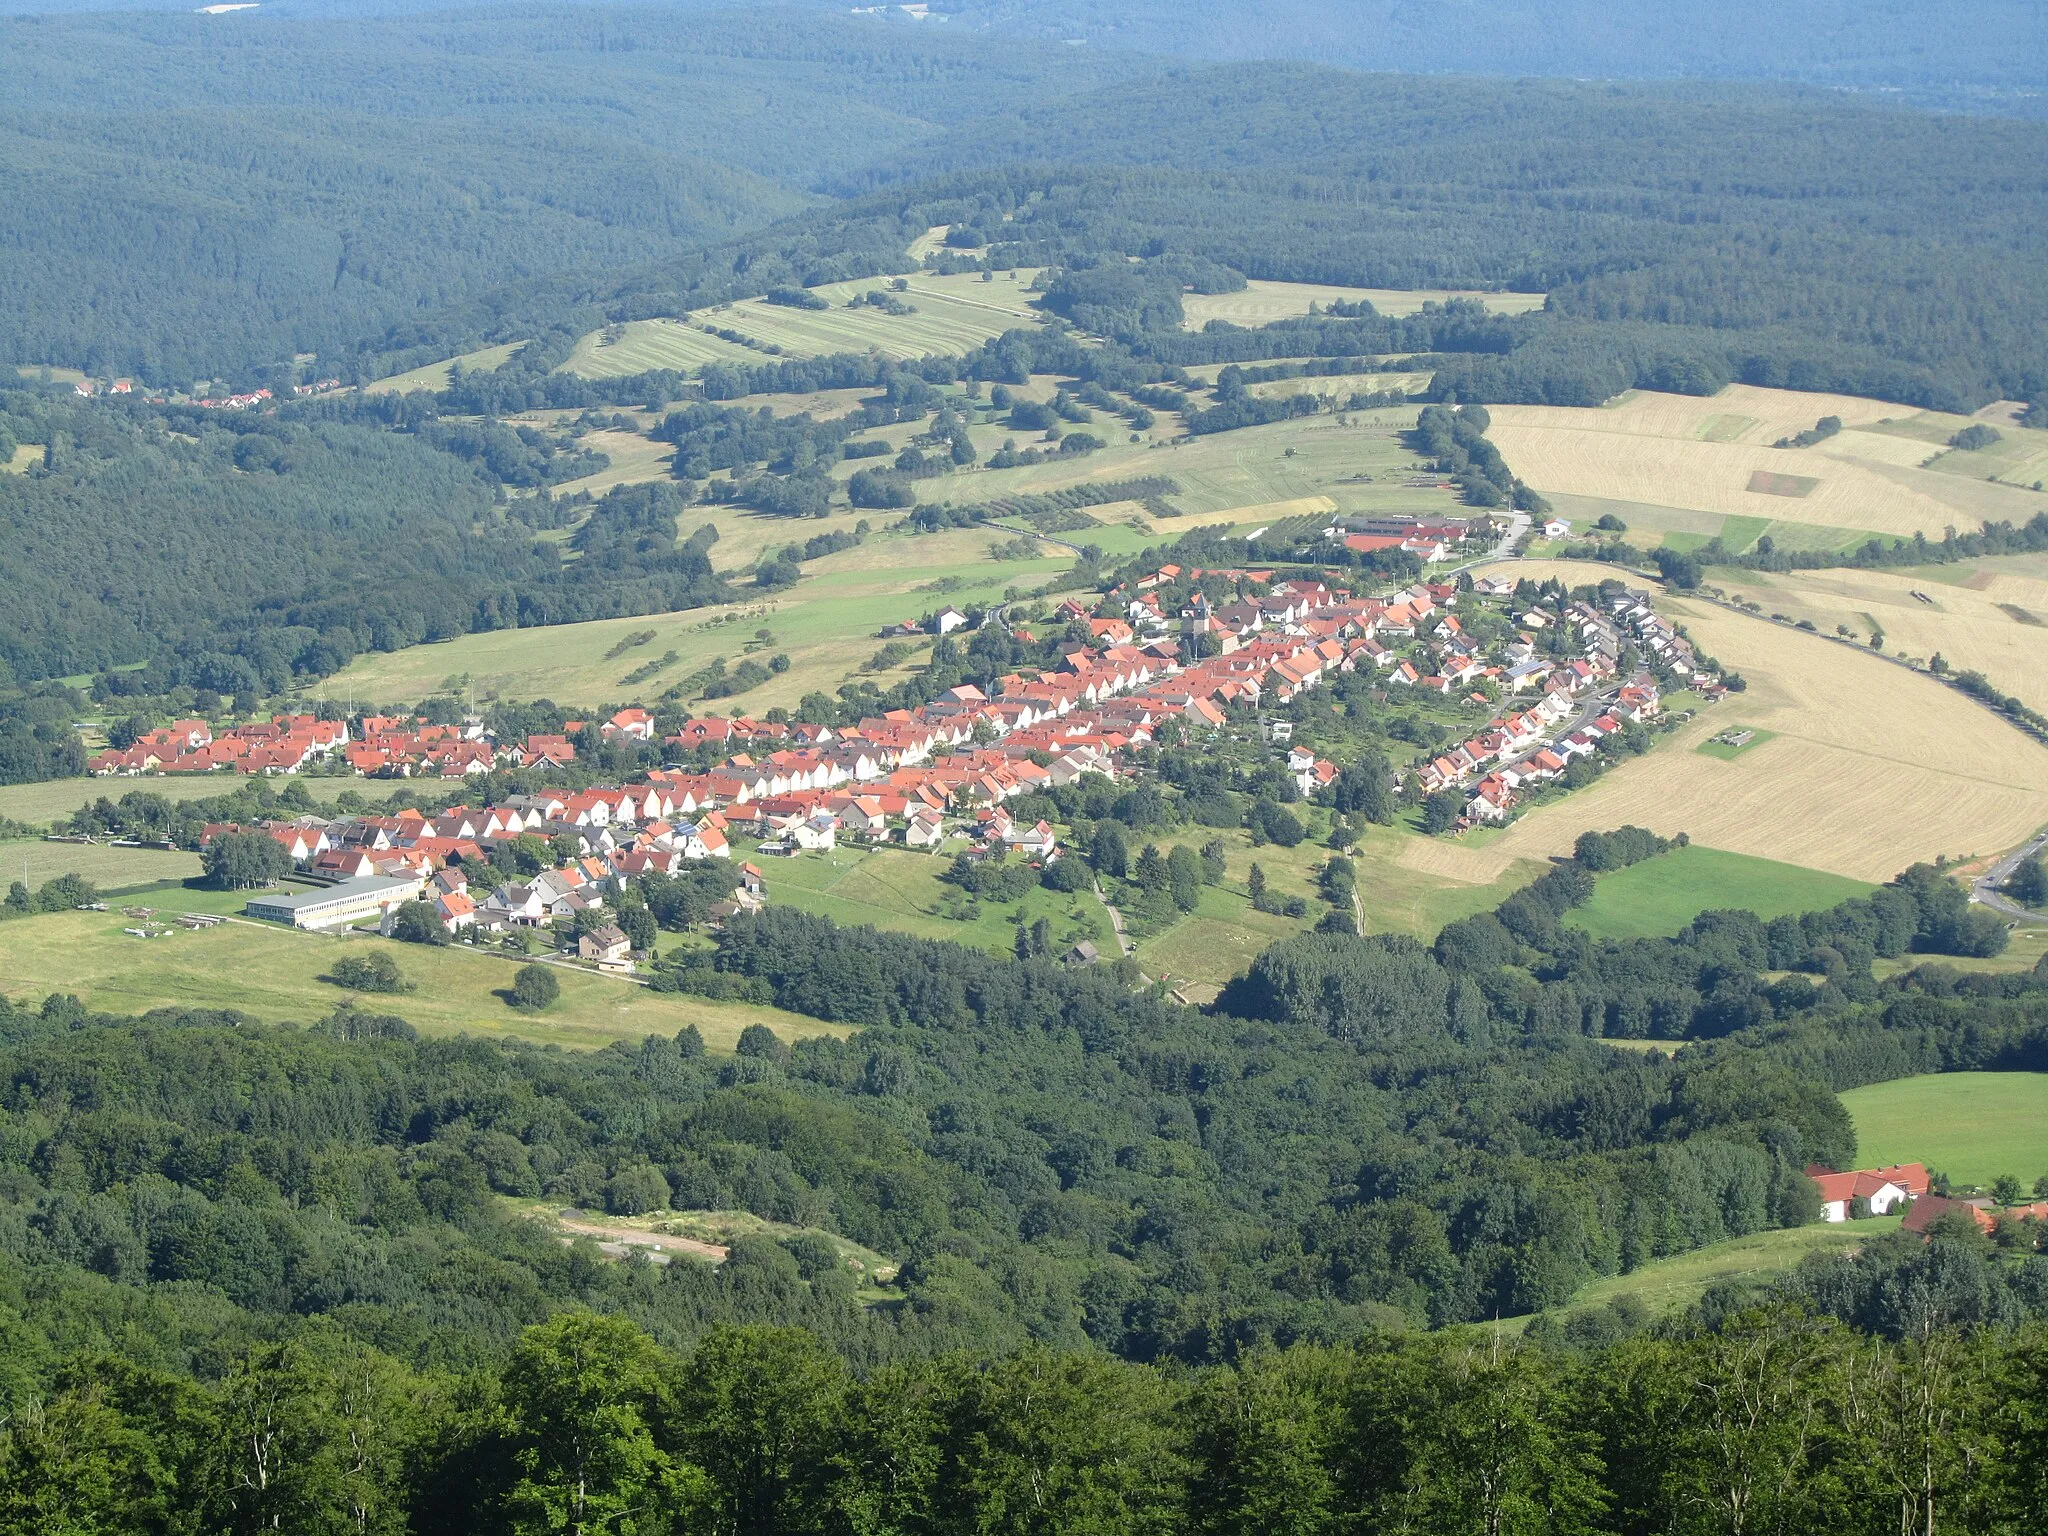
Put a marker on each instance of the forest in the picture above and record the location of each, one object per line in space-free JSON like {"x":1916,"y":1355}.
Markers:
{"x":1166,"y":1266}
{"x":154,"y":535}
{"x":184,"y":196}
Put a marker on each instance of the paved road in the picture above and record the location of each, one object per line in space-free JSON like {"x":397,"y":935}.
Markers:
{"x":1986,"y":886}
{"x":1518,"y":524}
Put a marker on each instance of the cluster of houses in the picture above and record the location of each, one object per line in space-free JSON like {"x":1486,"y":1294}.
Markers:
{"x":370,"y":865}
{"x":1429,"y":539}
{"x":1880,"y":1191}
{"x":281,"y":744}
{"x":252,"y":400}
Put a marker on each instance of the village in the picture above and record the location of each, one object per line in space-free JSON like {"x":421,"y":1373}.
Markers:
{"x":1160,"y":651}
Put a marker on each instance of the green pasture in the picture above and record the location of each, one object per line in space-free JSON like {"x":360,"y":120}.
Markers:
{"x":1973,"y":1126}
{"x":1361,"y":467}
{"x":274,"y":974}
{"x":900,"y":889}
{"x":1669,"y":1285}
{"x":2026,"y":947}
{"x":1660,"y":896}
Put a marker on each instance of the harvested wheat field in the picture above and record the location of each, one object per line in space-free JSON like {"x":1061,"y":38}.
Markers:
{"x":1994,"y":622}
{"x":1713,"y":455}
{"x":1869,"y":767}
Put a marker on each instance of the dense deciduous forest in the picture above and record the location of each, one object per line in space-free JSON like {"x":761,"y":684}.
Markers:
{"x":204,"y":1220}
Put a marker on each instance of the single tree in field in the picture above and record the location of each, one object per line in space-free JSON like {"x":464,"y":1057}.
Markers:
{"x":2005,"y":1189}
{"x":534,"y":988}
{"x":374,"y":972}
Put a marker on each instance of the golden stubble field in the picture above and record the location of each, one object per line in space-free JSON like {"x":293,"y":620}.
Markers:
{"x":1870,"y":767}
{"x":1981,"y":617}
{"x":1701,"y":454}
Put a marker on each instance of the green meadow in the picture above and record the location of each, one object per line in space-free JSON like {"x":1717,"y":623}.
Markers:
{"x":1659,"y":896}
{"x":1972,"y":1126}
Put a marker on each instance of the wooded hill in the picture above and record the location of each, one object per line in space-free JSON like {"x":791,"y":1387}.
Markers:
{"x":1688,"y":234}
{"x":186,"y":195}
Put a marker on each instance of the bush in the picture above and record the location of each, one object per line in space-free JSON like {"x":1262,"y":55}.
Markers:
{"x":535,"y":988}
{"x":376,"y":972}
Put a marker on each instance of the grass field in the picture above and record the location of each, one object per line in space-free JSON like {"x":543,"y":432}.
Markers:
{"x":642,"y":346}
{"x":57,"y":799}
{"x":827,"y":625}
{"x":900,"y":889}
{"x":435,"y":375}
{"x":108,"y":868}
{"x":1668,"y":1285}
{"x":1972,"y":1126}
{"x":26,"y":456}
{"x":1701,"y":455}
{"x":634,"y":460}
{"x":1357,"y":468}
{"x":1992,"y":621}
{"x":1659,"y":896}
{"x":273,"y":973}
{"x":1261,"y":303}
{"x":1872,"y":767}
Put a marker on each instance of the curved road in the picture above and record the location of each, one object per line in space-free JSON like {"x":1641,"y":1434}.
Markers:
{"x":1985,"y":887}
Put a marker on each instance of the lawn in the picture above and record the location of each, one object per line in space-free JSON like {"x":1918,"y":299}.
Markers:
{"x":900,"y":889}
{"x":1660,"y":896}
{"x":1973,"y":1126}
{"x":273,"y":973}
{"x":1667,"y":1285}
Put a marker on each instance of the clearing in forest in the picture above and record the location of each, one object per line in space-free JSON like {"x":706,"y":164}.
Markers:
{"x":1972,"y":1126}
{"x":1658,"y":897}
{"x":273,"y":973}
{"x":435,"y":375}
{"x":1261,"y":303}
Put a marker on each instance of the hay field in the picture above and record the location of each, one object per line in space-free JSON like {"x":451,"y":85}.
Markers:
{"x":1678,"y":451}
{"x":435,"y":375}
{"x":1261,"y":303}
{"x":634,"y":461}
{"x":1869,"y":768}
{"x":640,"y":346}
{"x":1983,"y":623}
{"x":954,"y":314}
{"x":827,"y":624}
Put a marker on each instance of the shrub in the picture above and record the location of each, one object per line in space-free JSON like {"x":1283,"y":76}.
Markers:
{"x":534,"y":988}
{"x":376,"y":972}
